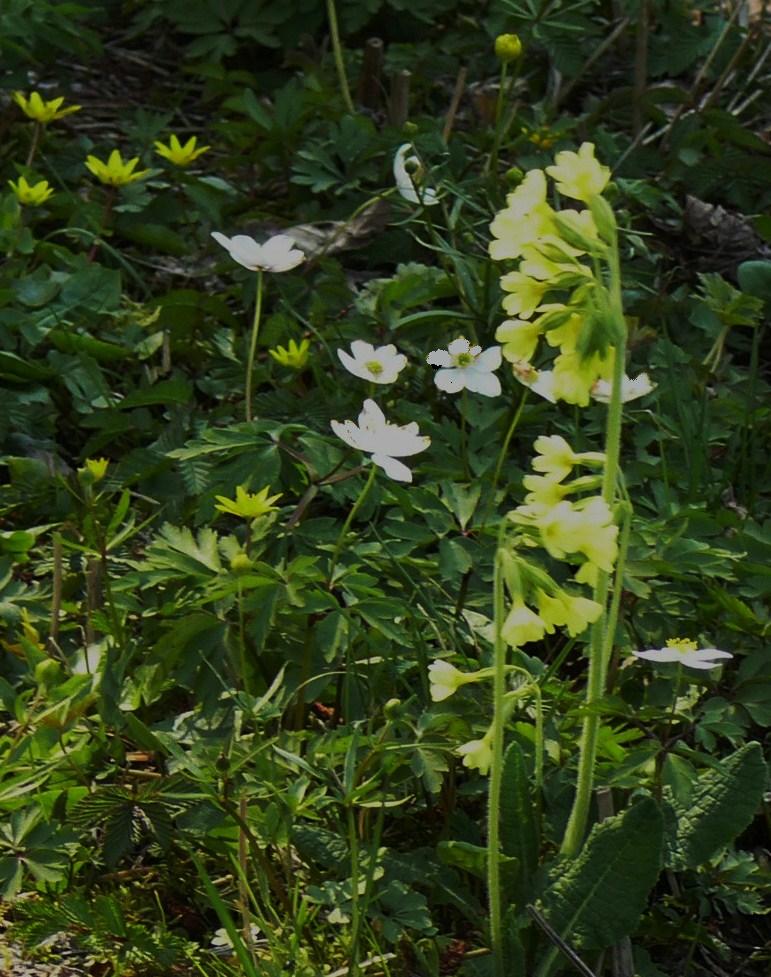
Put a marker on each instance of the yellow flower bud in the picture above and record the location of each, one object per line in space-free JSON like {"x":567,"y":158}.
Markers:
{"x":508,"y":47}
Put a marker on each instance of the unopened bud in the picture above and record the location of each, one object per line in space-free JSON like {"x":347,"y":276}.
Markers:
{"x":508,"y":47}
{"x":392,"y":709}
{"x":240,"y":563}
{"x":514,"y":176}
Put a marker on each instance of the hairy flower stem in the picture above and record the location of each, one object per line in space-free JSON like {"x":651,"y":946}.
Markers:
{"x":346,"y":526}
{"x":496,"y":770}
{"x":337,"y":48}
{"x":253,"y":345}
{"x":36,"y":133}
{"x":601,"y":637}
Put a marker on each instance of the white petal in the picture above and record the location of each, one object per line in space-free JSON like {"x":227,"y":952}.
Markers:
{"x":439,"y":357}
{"x":459,"y":345}
{"x":543,"y":385}
{"x":711,"y":653}
{"x":451,"y":381}
{"x":371,"y":416}
{"x":399,"y":443}
{"x":349,"y":433}
{"x":353,"y":366}
{"x":696,"y":662}
{"x":393,"y":468}
{"x":246,"y":251}
{"x":660,"y":655}
{"x":489,"y":360}
{"x":482,"y":383}
{"x":475,"y":350}
{"x":360,"y":349}
{"x":221,"y":239}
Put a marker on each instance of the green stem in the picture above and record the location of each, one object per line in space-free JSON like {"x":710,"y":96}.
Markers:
{"x":496,"y":771}
{"x":36,"y":133}
{"x":353,"y":841}
{"x":463,"y":435}
{"x":346,"y":526}
{"x":253,"y":345}
{"x":337,"y":49}
{"x":492,"y":159}
{"x":502,"y":454}
{"x":601,"y":637}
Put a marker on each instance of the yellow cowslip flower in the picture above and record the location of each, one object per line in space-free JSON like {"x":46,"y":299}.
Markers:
{"x":519,"y":339}
{"x":31,"y":195}
{"x":575,"y":377}
{"x":544,"y":491}
{"x":555,"y":457}
{"x":508,"y":47}
{"x":115,"y":172}
{"x":579,"y":175}
{"x":477,"y":754}
{"x":525,"y":219}
{"x":248,"y":505}
{"x":522,"y":625}
{"x":566,"y":335}
{"x":526,"y":294}
{"x":566,"y":610}
{"x":295,"y":356}
{"x":41,"y":111}
{"x":585,"y":528}
{"x":178,"y":154}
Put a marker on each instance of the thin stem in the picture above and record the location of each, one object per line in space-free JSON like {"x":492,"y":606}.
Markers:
{"x":492,"y":159}
{"x":496,"y":771}
{"x":503,"y":452}
{"x":36,"y":133}
{"x":463,"y":435}
{"x":600,"y":638}
{"x":353,"y":841}
{"x":337,"y":49}
{"x":253,"y":345}
{"x":346,"y":526}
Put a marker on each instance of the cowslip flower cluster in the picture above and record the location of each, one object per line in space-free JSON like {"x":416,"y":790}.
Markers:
{"x":554,"y":293}
{"x":582,"y":531}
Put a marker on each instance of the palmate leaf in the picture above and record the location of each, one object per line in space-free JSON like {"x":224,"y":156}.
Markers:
{"x":179,"y":551}
{"x":597,"y":898}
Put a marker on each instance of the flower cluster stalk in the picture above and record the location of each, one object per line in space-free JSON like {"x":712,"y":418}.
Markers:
{"x":601,"y":635}
{"x":337,"y":48}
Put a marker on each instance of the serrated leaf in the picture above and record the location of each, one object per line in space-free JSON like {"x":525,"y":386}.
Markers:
{"x":722,"y":804}
{"x":598,"y":898}
{"x":519,"y":827}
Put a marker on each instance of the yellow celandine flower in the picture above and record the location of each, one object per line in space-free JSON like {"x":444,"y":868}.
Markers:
{"x":178,"y":154}
{"x":579,"y":175}
{"x":567,"y":610}
{"x":522,"y":625}
{"x":115,"y":172}
{"x":97,"y":468}
{"x":42,"y":111}
{"x":248,"y":505}
{"x":31,"y":195}
{"x":478,"y":754}
{"x":295,"y":357}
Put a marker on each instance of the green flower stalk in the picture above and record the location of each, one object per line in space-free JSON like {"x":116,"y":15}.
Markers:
{"x":253,"y":347}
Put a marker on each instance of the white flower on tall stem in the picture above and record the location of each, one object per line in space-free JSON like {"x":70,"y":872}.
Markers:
{"x":685,"y":652}
{"x":466,"y":367}
{"x":383,"y":441}
{"x":278,"y":253}
{"x":540,"y":382}
{"x":380,"y":365}
{"x":408,"y":180}
{"x":630,"y":389}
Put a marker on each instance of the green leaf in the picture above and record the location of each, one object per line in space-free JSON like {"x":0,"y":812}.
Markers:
{"x":722,"y":804}
{"x":755,"y":278}
{"x":598,"y":898}
{"x":519,"y":827}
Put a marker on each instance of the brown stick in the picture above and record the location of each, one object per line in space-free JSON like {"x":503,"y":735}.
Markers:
{"x":370,"y":86}
{"x":399,"y":108}
{"x":457,"y":95}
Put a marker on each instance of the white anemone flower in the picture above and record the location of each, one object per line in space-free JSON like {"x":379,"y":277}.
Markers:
{"x":686,"y":652}
{"x":407,"y":182}
{"x":630,"y":389}
{"x":380,"y":365}
{"x":383,"y":441}
{"x":467,"y":367}
{"x":278,"y":253}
